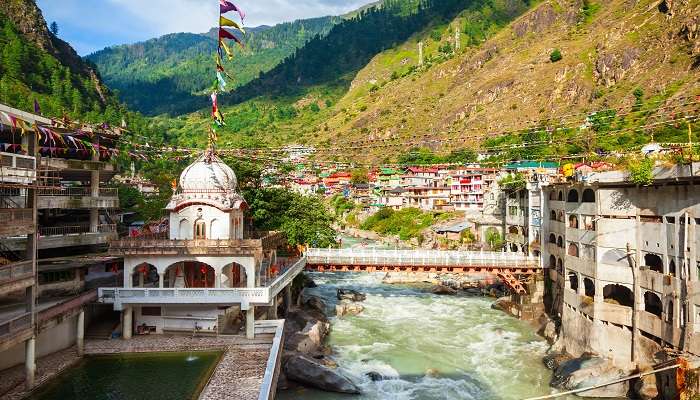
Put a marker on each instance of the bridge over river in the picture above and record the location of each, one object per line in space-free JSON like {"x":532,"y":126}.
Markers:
{"x":509,"y":267}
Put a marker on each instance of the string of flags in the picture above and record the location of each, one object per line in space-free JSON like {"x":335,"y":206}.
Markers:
{"x":224,"y":51}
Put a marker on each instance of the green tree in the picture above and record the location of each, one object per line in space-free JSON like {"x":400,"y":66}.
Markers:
{"x":555,"y":56}
{"x":54,"y":28}
{"x":359,"y":175}
{"x":494,"y":239}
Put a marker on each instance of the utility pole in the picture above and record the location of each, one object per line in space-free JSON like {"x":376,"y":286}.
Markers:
{"x":420,"y":54}
{"x":635,"y":293}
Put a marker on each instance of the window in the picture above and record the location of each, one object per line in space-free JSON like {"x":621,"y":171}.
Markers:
{"x":573,"y":250}
{"x":588,"y":196}
{"x":56,"y":276}
{"x":200,"y":230}
{"x":150,"y":311}
{"x":654,"y":263}
{"x":652,"y":303}
{"x":572,"y":197}
{"x":573,"y":222}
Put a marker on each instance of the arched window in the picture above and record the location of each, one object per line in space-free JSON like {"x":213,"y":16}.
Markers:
{"x":588,"y":196}
{"x":552,"y":239}
{"x":573,"y":250}
{"x":560,"y":242}
{"x":200,"y":230}
{"x":560,"y":196}
{"x":573,"y":221}
{"x":553,"y":215}
{"x":572,"y":197}
{"x":672,"y":268}
{"x":654,"y":263}
{"x":560,"y":216}
{"x":552,"y":196}
{"x":618,"y":294}
{"x":589,"y":287}
{"x":652,"y":303}
{"x":669,"y":312}
{"x":560,"y":266}
{"x":573,"y":281}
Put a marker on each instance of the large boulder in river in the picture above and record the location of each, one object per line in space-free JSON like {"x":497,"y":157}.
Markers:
{"x":443,"y":290}
{"x":351,"y":295}
{"x":590,"y":371}
{"x":348,"y":308}
{"x":306,"y":330}
{"x":311,"y":373}
{"x":315,"y":303}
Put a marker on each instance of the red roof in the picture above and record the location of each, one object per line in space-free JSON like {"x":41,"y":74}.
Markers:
{"x":416,"y":170}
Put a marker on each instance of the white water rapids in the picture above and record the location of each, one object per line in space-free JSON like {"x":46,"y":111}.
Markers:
{"x":429,"y":346}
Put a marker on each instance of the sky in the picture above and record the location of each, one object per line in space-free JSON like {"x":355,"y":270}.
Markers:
{"x":91,"y":25}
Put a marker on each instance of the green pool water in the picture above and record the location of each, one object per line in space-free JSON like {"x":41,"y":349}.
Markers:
{"x":151,"y":376}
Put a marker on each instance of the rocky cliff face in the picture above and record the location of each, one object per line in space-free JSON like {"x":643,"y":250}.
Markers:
{"x":610,"y":48}
{"x":29,"y":20}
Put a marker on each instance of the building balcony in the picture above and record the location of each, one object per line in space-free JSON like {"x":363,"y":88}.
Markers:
{"x":556,"y":205}
{"x":79,"y":170}
{"x":262,"y":295}
{"x":580,"y":265}
{"x":580,"y":236}
{"x":15,"y":330}
{"x":581,"y":208}
{"x":162,"y":245}
{"x":68,"y":236}
{"x":607,"y":312}
{"x":75,"y":198}
{"x":518,"y":220}
{"x":16,"y":276}
{"x":16,"y":222}
{"x":557,"y":227}
{"x":17,"y":169}
{"x":515,"y":238}
{"x":655,"y":326}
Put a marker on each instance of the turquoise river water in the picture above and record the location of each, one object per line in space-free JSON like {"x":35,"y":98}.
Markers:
{"x":162,"y":376}
{"x":471,"y":351}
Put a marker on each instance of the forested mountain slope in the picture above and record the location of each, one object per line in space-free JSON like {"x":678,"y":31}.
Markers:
{"x":36,"y":65}
{"x":178,"y":67}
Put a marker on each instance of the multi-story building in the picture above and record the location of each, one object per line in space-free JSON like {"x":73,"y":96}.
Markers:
{"x":52,"y":208}
{"x":428,"y":198}
{"x":208,"y":274}
{"x":469,"y":188}
{"x":623,"y":262}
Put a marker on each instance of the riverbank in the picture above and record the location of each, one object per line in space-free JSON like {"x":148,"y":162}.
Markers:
{"x":409,"y":343}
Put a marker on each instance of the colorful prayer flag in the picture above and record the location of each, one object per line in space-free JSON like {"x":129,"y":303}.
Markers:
{"x":222,"y":82}
{"x":224,"y":34}
{"x":226,"y":6}
{"x":223,"y":21}
{"x":227,"y":49}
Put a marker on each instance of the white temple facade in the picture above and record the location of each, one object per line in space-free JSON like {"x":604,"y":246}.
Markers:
{"x":207,"y":274}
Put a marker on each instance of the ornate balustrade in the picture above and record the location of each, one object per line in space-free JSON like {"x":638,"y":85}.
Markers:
{"x":160,"y":244}
{"x":421,"y":258}
{"x":220,"y":296}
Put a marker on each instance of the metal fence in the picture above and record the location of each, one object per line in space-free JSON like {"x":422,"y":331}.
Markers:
{"x":419,"y":258}
{"x":76,"y":230}
{"x":16,"y":271}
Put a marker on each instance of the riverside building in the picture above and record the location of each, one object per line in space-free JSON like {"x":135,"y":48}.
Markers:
{"x":54,"y":216}
{"x":623,"y":263}
{"x":208,"y":274}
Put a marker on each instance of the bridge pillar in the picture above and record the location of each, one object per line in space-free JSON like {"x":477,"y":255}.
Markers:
{"x":250,"y":323}
{"x":80,"y":336}
{"x":272,"y":314}
{"x":287,"y":299}
{"x":30,"y":362}
{"x":127,"y":325}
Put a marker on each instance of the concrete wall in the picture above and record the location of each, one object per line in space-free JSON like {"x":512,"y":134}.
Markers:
{"x":49,"y":341}
{"x":181,"y":318}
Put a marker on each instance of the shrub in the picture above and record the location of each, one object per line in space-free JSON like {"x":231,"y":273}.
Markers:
{"x":642,"y":172}
{"x":555,"y":56}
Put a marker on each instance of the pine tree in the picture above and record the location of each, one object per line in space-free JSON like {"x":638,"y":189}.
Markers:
{"x":54,"y":28}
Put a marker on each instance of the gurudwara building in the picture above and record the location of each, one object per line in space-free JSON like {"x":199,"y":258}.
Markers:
{"x":207,"y":274}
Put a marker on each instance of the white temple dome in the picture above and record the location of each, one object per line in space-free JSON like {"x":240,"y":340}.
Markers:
{"x":208,"y":173}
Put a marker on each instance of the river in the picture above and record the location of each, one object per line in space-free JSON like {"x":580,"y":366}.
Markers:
{"x":429,"y":346}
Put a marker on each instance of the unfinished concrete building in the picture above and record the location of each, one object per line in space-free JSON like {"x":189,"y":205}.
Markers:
{"x":623,"y":264}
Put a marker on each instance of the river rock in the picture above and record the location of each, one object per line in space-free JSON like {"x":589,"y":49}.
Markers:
{"x":351,"y":295}
{"x":315,"y":303}
{"x":310,"y":372}
{"x":646,"y":388}
{"x":375,"y":376}
{"x":443,"y":290}
{"x":432,"y":373}
{"x":554,"y":359}
{"x":589,"y":371}
{"x":306,"y":330}
{"x":348,"y":308}
{"x":548,"y":328}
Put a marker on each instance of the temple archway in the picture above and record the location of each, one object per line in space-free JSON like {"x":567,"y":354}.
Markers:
{"x":618,"y":294}
{"x":652,"y":304}
{"x":144,"y":275}
{"x":189,"y":274}
{"x":234,"y":276}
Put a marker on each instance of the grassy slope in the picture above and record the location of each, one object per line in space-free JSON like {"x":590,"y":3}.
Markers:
{"x":509,"y":79}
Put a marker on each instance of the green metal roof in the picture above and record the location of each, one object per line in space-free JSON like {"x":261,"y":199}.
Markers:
{"x":532,"y":164}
